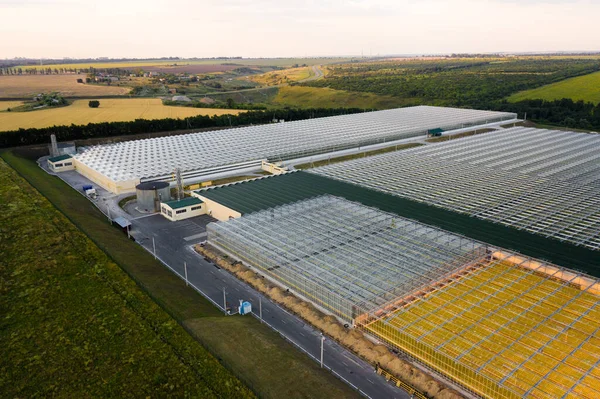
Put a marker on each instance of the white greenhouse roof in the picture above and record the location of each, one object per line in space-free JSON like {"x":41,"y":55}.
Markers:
{"x":158,"y":157}
{"x":543,"y":181}
{"x":340,"y":252}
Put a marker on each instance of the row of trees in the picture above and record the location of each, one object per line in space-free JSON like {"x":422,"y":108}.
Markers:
{"x":565,"y":112}
{"x":110,"y":129}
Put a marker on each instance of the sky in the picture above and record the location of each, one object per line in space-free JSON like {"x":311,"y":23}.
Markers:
{"x":292,"y":28}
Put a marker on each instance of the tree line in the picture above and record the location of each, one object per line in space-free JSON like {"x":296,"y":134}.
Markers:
{"x":565,"y":112}
{"x":110,"y":129}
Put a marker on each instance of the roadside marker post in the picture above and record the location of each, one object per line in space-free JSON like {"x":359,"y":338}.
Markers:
{"x":153,"y":248}
{"x":322,"y":341}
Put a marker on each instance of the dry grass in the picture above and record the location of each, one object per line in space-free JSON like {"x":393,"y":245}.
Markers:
{"x":25,"y":86}
{"x":110,"y":110}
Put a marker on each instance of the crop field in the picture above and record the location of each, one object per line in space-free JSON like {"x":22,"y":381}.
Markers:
{"x":75,"y":325}
{"x":110,"y":110}
{"x":474,"y":82}
{"x":317,"y":97}
{"x":4,"y":105}
{"x":585,"y":88}
{"x":284,"y":76}
{"x":26,"y":86}
{"x":505,"y":331}
{"x":280,"y":62}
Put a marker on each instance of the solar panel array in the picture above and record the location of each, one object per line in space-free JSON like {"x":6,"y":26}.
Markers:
{"x":343,"y":255}
{"x":542,"y":181}
{"x":280,"y":141}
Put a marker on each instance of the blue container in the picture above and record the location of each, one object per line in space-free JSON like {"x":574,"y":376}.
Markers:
{"x":87,"y":187}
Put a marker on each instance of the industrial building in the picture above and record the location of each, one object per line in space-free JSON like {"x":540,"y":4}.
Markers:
{"x":61,"y":163}
{"x":500,"y":324}
{"x":201,"y":156}
{"x":542,"y":181}
{"x":182,"y":209}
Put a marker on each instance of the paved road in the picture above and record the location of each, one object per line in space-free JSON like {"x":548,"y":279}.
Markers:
{"x":174,"y":246}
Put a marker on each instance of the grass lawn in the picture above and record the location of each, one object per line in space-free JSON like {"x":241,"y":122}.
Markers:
{"x":323,"y":97}
{"x":586,"y":88}
{"x":110,"y":110}
{"x":278,"y":360}
{"x":355,"y":156}
{"x":75,"y":325}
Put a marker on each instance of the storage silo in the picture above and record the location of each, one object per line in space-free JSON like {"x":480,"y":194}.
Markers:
{"x":151,"y":194}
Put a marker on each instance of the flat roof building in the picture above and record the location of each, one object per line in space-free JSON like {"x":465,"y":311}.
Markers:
{"x":120,"y":167}
{"x":61,"y":163}
{"x":182,"y":209}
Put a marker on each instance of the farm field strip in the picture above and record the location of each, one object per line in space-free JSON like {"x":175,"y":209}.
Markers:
{"x":525,"y":331}
{"x":25,"y":86}
{"x":110,"y":110}
{"x":4,"y":105}
{"x":585,"y":88}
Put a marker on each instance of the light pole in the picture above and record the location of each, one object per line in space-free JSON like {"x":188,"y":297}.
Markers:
{"x":224,"y":301}
{"x":322,"y":341}
{"x":260,"y":308}
{"x":153,"y":247}
{"x":185,"y":268}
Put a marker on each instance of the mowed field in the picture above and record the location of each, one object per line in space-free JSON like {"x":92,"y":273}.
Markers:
{"x":110,"y":110}
{"x":317,"y":97}
{"x":25,"y":86}
{"x":586,"y":88}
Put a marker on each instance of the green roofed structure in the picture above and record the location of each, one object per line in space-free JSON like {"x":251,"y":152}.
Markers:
{"x":183,"y":208}
{"x":61,"y":163}
{"x":236,"y":199}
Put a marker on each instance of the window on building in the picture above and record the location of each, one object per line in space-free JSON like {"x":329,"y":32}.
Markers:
{"x":68,"y":163}
{"x":169,"y":213}
{"x":58,"y":165}
{"x":163,"y":210}
{"x":181,"y":211}
{"x":195,"y":208}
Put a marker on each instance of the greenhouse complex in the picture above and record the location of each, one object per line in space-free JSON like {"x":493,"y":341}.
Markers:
{"x":120,"y":167}
{"x":542,"y":181}
{"x":501,"y":324}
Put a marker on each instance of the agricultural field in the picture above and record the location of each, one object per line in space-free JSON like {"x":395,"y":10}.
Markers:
{"x":474,"y":82}
{"x":322,"y":97}
{"x":584,"y":88}
{"x":279,"y":62}
{"x":26,"y":86}
{"x":4,"y":105}
{"x":110,"y":110}
{"x":285,"y":76}
{"x":75,"y":325}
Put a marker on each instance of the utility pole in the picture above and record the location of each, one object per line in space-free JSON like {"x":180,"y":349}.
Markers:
{"x":153,"y":247}
{"x":322,"y":341}
{"x":128,"y":235}
{"x":224,"y":301}
{"x":185,"y":268}
{"x":260,"y":308}
{"x":108,"y":209}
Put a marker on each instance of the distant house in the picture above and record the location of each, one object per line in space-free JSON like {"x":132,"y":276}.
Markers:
{"x":114,"y":79}
{"x":172,"y":91}
{"x":61,"y":163}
